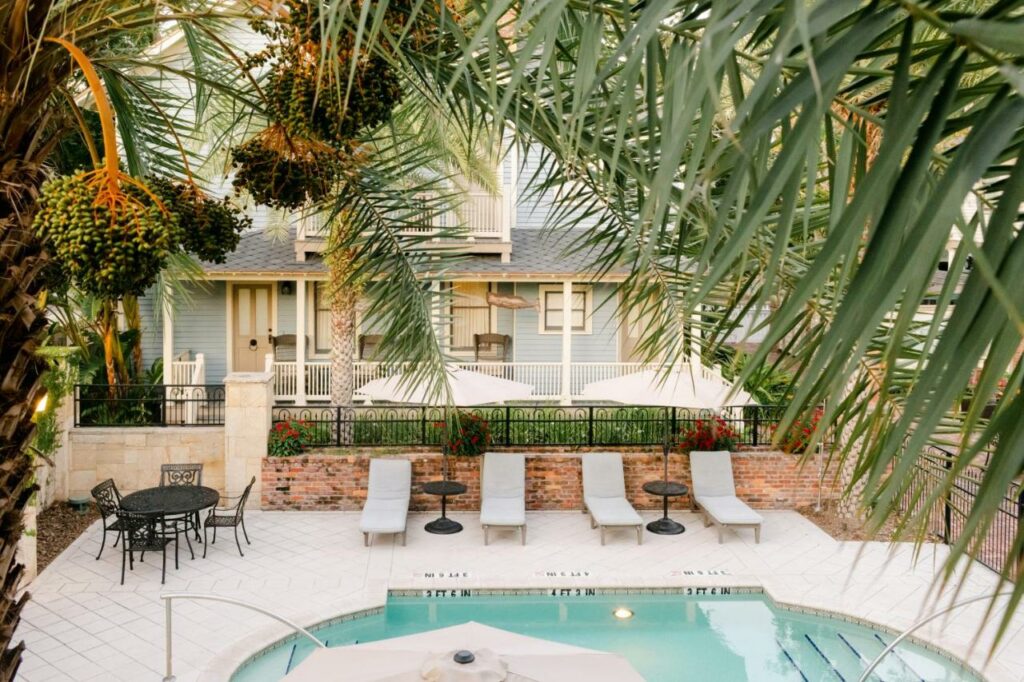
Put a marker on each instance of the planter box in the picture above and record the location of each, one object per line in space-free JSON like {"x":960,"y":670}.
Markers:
{"x":337,"y":482}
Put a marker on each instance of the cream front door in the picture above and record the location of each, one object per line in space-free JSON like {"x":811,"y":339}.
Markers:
{"x":252,"y":305}
{"x":632,"y":333}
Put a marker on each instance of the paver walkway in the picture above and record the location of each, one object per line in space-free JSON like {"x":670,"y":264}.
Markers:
{"x":83,"y":625}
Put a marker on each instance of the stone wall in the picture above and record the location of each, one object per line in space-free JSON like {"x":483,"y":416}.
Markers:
{"x":765,"y":479}
{"x":132,"y":456}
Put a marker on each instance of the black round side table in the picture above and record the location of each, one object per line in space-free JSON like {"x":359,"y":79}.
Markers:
{"x":665,"y":490}
{"x":443,"y":525}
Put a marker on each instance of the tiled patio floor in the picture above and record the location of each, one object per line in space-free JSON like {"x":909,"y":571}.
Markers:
{"x":83,"y":625}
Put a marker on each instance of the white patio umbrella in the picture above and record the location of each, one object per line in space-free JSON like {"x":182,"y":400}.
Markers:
{"x":468,"y":388}
{"x":500,"y":656}
{"x":679,"y":388}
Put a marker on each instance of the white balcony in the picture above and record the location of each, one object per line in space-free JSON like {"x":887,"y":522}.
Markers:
{"x":486,"y":218}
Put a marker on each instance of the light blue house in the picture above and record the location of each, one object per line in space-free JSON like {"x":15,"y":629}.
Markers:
{"x":505,"y":318}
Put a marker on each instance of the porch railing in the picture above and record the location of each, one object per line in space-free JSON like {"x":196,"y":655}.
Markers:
{"x":149,"y":405}
{"x":545,"y":377}
{"x":523,"y":425}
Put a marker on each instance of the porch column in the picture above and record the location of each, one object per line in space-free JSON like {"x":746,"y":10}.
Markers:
{"x":695,"y":336}
{"x":168,"y":341}
{"x":566,"y":342}
{"x":300,"y":341}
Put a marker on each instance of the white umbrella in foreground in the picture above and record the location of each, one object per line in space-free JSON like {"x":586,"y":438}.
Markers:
{"x":499,"y":656}
{"x":678,"y":388}
{"x":468,"y":388}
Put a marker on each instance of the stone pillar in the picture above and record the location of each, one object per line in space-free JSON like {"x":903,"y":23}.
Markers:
{"x":249,"y":397}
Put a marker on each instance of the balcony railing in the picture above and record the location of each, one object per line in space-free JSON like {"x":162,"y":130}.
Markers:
{"x":545,"y":377}
{"x":481,"y":213}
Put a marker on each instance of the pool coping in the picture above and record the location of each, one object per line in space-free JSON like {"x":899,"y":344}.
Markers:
{"x":233,"y":658}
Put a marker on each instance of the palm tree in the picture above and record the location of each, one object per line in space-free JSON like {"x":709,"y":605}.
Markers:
{"x":812,"y":160}
{"x":41,"y":107}
{"x":393,"y":155}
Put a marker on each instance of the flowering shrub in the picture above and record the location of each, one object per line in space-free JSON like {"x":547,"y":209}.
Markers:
{"x":708,"y":435}
{"x":290,"y":438}
{"x":798,"y":437}
{"x":471,"y":435}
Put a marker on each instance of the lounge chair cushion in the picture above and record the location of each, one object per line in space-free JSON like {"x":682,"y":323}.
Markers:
{"x":503,"y":490}
{"x":728,"y":510}
{"x":612,"y":511}
{"x":387,"y":498}
{"x":602,"y":475}
{"x":503,"y":511}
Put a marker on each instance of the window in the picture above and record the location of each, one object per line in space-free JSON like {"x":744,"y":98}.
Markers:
{"x":551,"y":309}
{"x":471,"y":314}
{"x":321,"y":318}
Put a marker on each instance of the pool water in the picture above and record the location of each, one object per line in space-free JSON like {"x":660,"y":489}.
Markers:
{"x":670,"y":637}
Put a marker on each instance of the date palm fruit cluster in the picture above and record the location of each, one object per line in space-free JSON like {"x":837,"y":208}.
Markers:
{"x":317,"y":109}
{"x":209,"y":229}
{"x":109,"y":241}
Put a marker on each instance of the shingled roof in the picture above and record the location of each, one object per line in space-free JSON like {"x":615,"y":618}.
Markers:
{"x":534,"y":252}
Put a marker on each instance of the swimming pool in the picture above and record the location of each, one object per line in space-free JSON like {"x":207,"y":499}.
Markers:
{"x":670,"y":637}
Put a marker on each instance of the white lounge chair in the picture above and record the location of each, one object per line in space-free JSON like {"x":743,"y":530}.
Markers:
{"x":387,"y":498}
{"x":604,"y":494}
{"x":714,"y":492}
{"x":503,"y":493}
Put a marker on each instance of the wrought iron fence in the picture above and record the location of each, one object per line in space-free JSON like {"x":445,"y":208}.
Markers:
{"x":524,"y":425}
{"x":946,"y":520}
{"x":149,"y":405}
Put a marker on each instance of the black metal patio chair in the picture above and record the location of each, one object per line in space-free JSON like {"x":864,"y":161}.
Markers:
{"x":183,"y":474}
{"x":108,"y":501}
{"x":231,"y":516}
{"x":145,"y":532}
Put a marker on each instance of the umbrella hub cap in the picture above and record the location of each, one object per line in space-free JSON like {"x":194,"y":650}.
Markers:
{"x":464,"y":656}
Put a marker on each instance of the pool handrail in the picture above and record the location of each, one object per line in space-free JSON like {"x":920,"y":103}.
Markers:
{"x":170,"y":597}
{"x":921,"y":623}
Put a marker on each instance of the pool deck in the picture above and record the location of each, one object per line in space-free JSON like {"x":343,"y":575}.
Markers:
{"x":81,"y":624}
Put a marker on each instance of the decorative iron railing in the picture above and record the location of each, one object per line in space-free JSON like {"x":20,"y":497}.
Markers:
{"x":524,"y":425}
{"x":947,"y":519}
{"x":149,"y":405}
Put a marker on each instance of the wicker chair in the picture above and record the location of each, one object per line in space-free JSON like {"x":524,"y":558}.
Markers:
{"x":229,"y":517}
{"x":108,"y":501}
{"x":145,"y":532}
{"x":183,"y":474}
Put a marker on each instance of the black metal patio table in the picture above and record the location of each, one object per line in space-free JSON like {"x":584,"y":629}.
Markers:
{"x":179,"y":501}
{"x":443,"y":525}
{"x":171,"y":500}
{"x":665,"y":490}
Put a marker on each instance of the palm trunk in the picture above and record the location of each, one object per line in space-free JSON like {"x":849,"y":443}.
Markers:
{"x":24,"y":323}
{"x":343,"y":296}
{"x":133,"y":321}
{"x":113,"y":358}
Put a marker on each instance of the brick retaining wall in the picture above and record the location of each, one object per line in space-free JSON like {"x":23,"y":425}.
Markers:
{"x":337,"y":482}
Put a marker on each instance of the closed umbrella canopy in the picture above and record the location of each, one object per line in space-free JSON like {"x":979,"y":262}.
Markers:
{"x":679,"y":388}
{"x":428,"y":656}
{"x":468,"y":388}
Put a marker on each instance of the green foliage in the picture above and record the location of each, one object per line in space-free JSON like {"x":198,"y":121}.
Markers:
{"x":59,"y":382}
{"x":72,"y":153}
{"x":292,"y":437}
{"x":107,"y":252}
{"x":708,"y":435}
{"x":799,"y":436}
{"x":210,"y":229}
{"x":465,"y":434}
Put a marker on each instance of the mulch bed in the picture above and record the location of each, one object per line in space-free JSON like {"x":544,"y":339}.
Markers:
{"x":57,"y":527}
{"x":842,"y":528}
